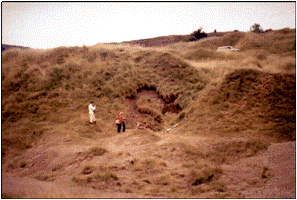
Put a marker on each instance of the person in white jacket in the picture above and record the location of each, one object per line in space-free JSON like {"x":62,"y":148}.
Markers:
{"x":91,"y":112}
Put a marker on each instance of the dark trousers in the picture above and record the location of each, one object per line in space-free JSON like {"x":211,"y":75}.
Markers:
{"x":119,"y":127}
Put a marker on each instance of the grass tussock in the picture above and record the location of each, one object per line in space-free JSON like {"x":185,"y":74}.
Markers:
{"x":149,"y":165}
{"x":45,"y":176}
{"x":203,"y":176}
{"x":106,"y":176}
{"x":98,"y":151}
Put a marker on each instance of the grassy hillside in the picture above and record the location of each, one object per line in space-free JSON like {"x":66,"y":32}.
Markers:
{"x":46,"y":92}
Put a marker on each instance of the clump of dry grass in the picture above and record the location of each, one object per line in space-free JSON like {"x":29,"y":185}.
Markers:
{"x":164,"y":179}
{"x":96,"y":179}
{"x":266,"y":173}
{"x":149,"y":164}
{"x":201,"y":171}
{"x":88,"y":169}
{"x":97,"y":151}
{"x":106,"y":176}
{"x":45,"y":176}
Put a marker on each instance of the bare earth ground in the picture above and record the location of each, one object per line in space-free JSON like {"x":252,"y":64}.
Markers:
{"x":56,"y":161}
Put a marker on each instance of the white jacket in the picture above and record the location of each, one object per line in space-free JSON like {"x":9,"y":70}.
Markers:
{"x":91,"y":109}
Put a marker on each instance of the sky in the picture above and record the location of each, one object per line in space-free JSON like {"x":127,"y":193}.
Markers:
{"x":46,"y":25}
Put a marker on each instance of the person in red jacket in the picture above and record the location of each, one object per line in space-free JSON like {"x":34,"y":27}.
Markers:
{"x":120,"y":120}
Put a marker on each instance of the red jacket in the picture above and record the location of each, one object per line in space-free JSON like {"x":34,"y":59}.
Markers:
{"x":120,"y":118}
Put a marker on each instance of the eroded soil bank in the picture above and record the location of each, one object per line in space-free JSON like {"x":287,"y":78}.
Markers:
{"x":138,"y":112}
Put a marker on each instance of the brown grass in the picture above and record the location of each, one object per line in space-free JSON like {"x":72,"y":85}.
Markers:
{"x":228,"y":152}
{"x":249,"y":94}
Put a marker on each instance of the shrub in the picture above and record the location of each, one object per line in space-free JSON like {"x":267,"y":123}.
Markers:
{"x":256,"y":28}
{"x":199,"y":34}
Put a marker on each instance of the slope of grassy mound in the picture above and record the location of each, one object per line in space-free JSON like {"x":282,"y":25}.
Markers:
{"x":248,"y":101}
{"x":55,"y":86}
{"x":276,"y":42}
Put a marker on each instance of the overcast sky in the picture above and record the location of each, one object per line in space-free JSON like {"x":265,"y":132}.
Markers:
{"x":46,"y":25}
